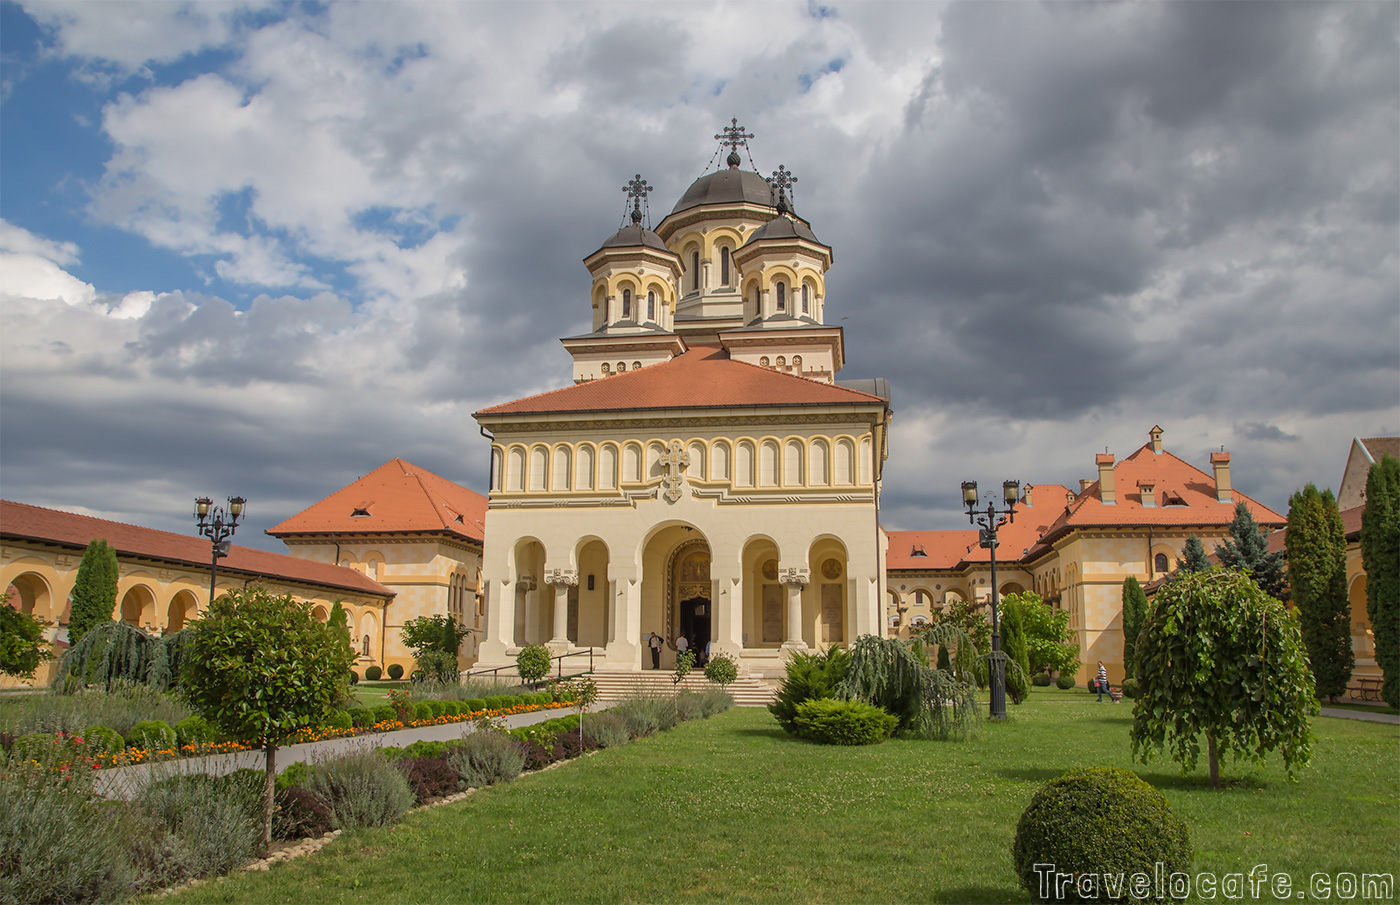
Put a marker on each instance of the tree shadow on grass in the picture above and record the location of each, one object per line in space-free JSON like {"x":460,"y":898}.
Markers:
{"x":964,"y":894}
{"x":776,"y":732}
{"x":1192,"y":782}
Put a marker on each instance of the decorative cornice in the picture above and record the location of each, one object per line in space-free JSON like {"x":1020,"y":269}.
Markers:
{"x":590,"y":422}
{"x":561,"y":577}
{"x":798,"y":575}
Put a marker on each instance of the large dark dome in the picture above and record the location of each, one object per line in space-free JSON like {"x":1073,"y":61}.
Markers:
{"x":725,"y":187}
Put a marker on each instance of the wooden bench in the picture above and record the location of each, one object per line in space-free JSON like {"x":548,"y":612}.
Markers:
{"x":1368,"y":688}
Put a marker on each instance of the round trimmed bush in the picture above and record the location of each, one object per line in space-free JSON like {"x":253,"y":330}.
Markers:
{"x":1064,"y":683}
{"x":475,"y":705}
{"x":384,"y":713}
{"x":340,"y":719}
{"x":373,"y":673}
{"x":396,"y":671}
{"x":451,"y":708}
{"x":101,"y":740}
{"x":496,"y":702}
{"x":1130,"y":687}
{"x":835,"y":722}
{"x":423,"y":710}
{"x":153,"y":734}
{"x":354,"y":677}
{"x":33,"y":746}
{"x":362,"y":717}
{"x":1097,"y":820}
{"x":1041,"y":680}
{"x":195,"y":730}
{"x":439,"y":708}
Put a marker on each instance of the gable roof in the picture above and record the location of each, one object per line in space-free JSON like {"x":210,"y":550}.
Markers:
{"x":397,"y":497}
{"x":703,"y":377}
{"x":51,"y":526}
{"x":955,"y":548}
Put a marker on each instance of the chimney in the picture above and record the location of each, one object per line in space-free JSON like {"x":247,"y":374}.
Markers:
{"x":1156,"y":435}
{"x":1026,"y":495}
{"x":1145,"y":489}
{"x":1105,"y":463}
{"x":1084,"y":484}
{"x":1220,"y":461}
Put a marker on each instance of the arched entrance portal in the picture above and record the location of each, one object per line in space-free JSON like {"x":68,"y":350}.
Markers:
{"x":691,"y":609}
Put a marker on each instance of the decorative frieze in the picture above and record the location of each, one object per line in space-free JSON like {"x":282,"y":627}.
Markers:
{"x":798,"y":575}
{"x":565,"y":577}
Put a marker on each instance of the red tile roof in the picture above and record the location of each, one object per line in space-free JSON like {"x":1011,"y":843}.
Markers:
{"x":952,"y":549}
{"x":703,"y":377}
{"x":22,"y":521}
{"x":1351,"y":527}
{"x":397,"y":497}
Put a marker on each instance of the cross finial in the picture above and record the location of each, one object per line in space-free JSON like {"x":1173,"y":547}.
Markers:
{"x":637,"y":190}
{"x":781,"y":182}
{"x":734,"y":136}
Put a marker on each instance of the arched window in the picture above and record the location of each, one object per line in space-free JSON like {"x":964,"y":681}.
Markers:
{"x":806,"y":298}
{"x":621,"y":366}
{"x":781,"y":361}
{"x":607,"y":368}
{"x":695,"y":270}
{"x":763,"y":361}
{"x":627,"y":303}
{"x":636,"y":365}
{"x":651,"y":306}
{"x":1160,"y":561}
{"x":364,"y":646}
{"x":797,"y":361}
{"x":724,"y":266}
{"x":782,"y":296}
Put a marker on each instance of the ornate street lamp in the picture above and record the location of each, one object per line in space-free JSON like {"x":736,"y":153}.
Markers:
{"x":989,"y":521}
{"x":218,"y":527}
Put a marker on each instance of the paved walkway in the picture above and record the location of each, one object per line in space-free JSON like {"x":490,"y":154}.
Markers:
{"x":1360,"y":715}
{"x":126,"y":782}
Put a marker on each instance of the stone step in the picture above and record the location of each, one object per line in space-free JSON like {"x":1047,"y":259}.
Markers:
{"x":613,"y":686}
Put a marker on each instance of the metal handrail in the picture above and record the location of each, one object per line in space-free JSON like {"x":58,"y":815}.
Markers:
{"x":558,"y":669}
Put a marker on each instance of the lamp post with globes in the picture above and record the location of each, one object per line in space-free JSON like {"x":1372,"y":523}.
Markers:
{"x":989,"y":521}
{"x":218,"y":527}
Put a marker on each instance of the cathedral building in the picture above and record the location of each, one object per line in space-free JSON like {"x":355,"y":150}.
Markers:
{"x":707,"y":475}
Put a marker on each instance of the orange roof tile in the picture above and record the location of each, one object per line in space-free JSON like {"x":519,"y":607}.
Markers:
{"x":941,"y":549}
{"x":22,"y":521}
{"x":397,"y":497}
{"x":955,"y":548}
{"x":1351,"y":527}
{"x":703,"y":377}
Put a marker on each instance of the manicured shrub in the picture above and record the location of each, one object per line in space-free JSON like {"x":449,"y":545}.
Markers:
{"x":834,"y":722}
{"x":152,"y":734}
{"x":395,"y":671}
{"x":452,"y":708}
{"x":362,"y":789}
{"x":809,"y":677}
{"x":354,"y":677}
{"x":373,"y":673}
{"x":362,"y":717}
{"x":391,"y":753}
{"x":476,"y":705}
{"x":34,"y":746}
{"x":423,"y":710}
{"x":431,"y":777}
{"x":340,"y":719}
{"x":384,"y":713}
{"x":195,"y":730}
{"x":425,"y":748}
{"x":101,"y":740}
{"x":1100,"y":821}
{"x":1064,"y":682}
{"x":532,"y":663}
{"x":538,"y":755}
{"x":300,"y":813}
{"x":297,"y":773}
{"x":1041,"y":680}
{"x":608,"y":729}
{"x":1130,"y":687}
{"x":437,"y":708}
{"x":496,"y":702}
{"x":487,"y":757}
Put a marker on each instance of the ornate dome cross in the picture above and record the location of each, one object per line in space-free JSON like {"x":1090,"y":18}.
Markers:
{"x":637,"y":190}
{"x":782,"y":182}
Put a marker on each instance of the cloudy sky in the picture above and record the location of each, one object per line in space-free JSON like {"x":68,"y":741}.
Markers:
{"x":264,"y":248}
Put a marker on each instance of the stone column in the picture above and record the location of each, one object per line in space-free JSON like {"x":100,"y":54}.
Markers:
{"x":729,"y":614}
{"x":625,"y":649}
{"x":561,"y":580}
{"x":796,"y":578}
{"x":500,"y":622}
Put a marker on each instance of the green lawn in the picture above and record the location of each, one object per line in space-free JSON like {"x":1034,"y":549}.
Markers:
{"x":733,"y":810}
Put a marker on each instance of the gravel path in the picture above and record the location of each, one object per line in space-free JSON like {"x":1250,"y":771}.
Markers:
{"x":1360,"y":715}
{"x":126,"y":782}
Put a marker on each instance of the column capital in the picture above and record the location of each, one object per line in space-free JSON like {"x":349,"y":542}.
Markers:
{"x":561,"y":577}
{"x":795,"y":575}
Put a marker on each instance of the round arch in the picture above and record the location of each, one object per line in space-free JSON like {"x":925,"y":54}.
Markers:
{"x":138,"y":606}
{"x":30,"y":594}
{"x":183,"y":607}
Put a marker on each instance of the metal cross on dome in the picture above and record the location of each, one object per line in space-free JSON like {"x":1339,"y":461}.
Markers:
{"x":782,"y":183}
{"x":637,"y":190}
{"x":733,"y":135}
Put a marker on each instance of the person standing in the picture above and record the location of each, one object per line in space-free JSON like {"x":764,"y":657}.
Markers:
{"x":1101,"y":681}
{"x":682,"y":645}
{"x":655,"y":644}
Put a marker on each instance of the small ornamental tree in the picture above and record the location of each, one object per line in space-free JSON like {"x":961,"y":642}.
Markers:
{"x":1134,"y":612}
{"x":1049,"y":641}
{"x":1220,"y":659}
{"x":1247,"y":548}
{"x":1380,"y":556}
{"x":1317,"y":581}
{"x":434,"y":641}
{"x":721,"y":669}
{"x":532,"y":663}
{"x":22,"y":644}
{"x":261,"y":667}
{"x":1194,"y":556}
{"x":582,"y":692}
{"x":94,"y":590}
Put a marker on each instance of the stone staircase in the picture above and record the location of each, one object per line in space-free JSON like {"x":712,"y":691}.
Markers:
{"x":746,"y":691}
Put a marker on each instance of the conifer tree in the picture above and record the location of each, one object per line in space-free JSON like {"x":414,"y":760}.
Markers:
{"x":1195,"y":556}
{"x":1247,"y":548}
{"x":1317,"y":569}
{"x":1380,"y":556}
{"x":94,"y":590}
{"x":1018,"y":681}
{"x":1134,"y":612}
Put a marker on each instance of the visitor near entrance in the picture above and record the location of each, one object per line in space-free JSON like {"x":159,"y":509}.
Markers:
{"x":682,"y":645}
{"x":655,"y":651}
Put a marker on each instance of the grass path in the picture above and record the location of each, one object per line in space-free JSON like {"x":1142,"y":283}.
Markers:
{"x":733,"y":810}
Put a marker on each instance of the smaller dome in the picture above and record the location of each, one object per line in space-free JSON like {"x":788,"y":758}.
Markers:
{"x":633,"y":236}
{"x":783,"y":227}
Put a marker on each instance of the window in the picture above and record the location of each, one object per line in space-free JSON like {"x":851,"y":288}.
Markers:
{"x":918,"y":550}
{"x":1160,"y":561}
{"x":607,"y":369}
{"x":782,"y":361}
{"x":724,"y":266}
{"x":636,"y":365}
{"x":782,"y":296}
{"x":621,"y":366}
{"x":695,"y":270}
{"x":364,"y":646}
{"x":806,"y":295}
{"x":627,"y":303}
{"x":763,"y":361}
{"x":797,"y":361}
{"x":651,"y":306}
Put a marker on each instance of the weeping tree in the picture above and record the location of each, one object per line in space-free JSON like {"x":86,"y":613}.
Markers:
{"x":114,"y":653}
{"x":895,"y":675}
